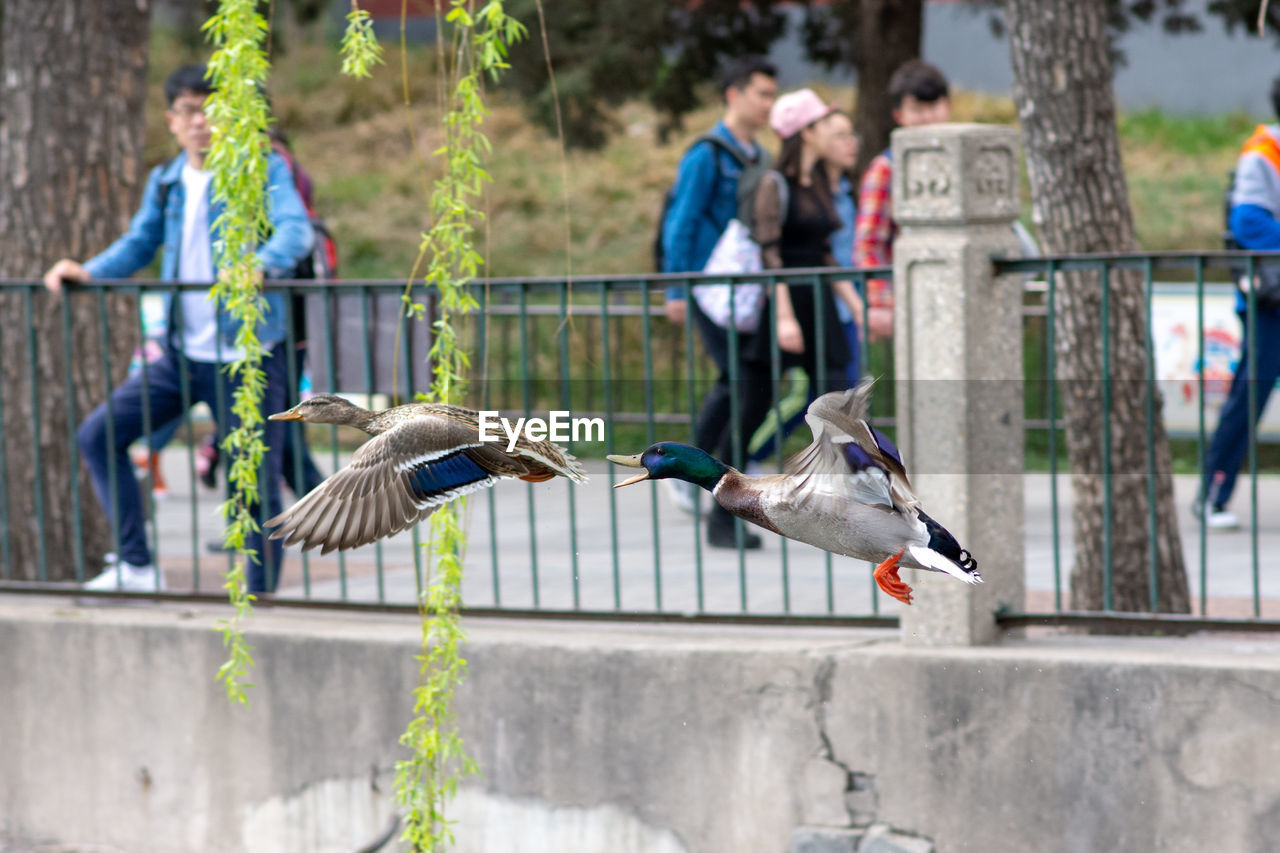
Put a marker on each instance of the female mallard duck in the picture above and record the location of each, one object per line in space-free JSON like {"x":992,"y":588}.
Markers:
{"x":421,"y":456}
{"x":847,"y":493}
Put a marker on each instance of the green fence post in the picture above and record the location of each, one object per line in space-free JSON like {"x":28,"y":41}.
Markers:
{"x":1201,"y":444}
{"x":1104,"y":278}
{"x":606,"y":362}
{"x":527,"y":401}
{"x":650,"y":435}
{"x":566,"y":400}
{"x":1153,"y":567}
{"x":73,"y":447}
{"x":42,"y":559}
{"x":1251,"y":339}
{"x":1051,"y":360}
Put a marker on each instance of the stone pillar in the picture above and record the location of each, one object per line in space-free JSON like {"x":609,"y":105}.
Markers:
{"x":958,"y":367}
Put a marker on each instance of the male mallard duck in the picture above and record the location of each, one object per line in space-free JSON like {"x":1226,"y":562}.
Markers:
{"x":846,"y":493}
{"x":421,"y":456}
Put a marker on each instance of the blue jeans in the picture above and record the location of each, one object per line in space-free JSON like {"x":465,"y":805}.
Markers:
{"x":853,"y":370}
{"x":295,"y":456}
{"x":163,"y":394}
{"x":161,"y":436}
{"x":711,"y":427}
{"x":1231,"y":438}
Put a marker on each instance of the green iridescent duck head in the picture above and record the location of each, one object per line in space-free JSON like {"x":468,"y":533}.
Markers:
{"x":672,"y":460}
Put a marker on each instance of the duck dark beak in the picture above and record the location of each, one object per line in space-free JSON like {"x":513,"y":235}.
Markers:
{"x":291,"y":415}
{"x":630,"y":462}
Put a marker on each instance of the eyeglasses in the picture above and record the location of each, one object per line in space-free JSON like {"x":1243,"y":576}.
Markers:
{"x":187,"y":111}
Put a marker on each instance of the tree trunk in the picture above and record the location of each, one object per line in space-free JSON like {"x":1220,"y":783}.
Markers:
{"x":888,"y":34}
{"x":71,"y":174}
{"x":1063,"y":73}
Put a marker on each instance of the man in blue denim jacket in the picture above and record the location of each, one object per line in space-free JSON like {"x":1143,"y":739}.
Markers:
{"x":704,"y":200}
{"x":178,"y":216}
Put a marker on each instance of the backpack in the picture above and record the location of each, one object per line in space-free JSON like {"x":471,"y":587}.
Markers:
{"x":752,"y":172}
{"x":1229,"y":241}
{"x":738,"y":251}
{"x":322,"y":263}
{"x":1266,"y":278}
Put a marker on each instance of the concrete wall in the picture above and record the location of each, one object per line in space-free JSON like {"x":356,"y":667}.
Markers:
{"x":622,"y":739}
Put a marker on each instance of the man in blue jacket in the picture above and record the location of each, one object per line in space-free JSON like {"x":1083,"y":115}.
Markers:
{"x":1255,"y":224}
{"x":704,"y":200}
{"x":178,"y":216}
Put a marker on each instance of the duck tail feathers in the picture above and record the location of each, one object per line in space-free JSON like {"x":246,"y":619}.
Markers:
{"x":931,"y":559}
{"x":944,"y":553}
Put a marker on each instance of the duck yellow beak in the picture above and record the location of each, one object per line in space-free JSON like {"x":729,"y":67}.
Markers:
{"x":291,"y":415}
{"x":630,"y":462}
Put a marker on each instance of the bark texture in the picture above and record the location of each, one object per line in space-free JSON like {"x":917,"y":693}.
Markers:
{"x":888,"y":34}
{"x":1063,"y":90}
{"x":71,"y":175}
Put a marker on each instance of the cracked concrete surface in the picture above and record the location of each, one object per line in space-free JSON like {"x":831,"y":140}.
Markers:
{"x":713,"y":738}
{"x":840,"y":772}
{"x":826,"y":827}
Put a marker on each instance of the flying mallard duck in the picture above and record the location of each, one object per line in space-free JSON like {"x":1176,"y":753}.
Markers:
{"x":421,"y":456}
{"x":846,"y":493}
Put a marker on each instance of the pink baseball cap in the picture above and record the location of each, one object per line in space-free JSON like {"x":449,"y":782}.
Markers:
{"x":795,"y":111}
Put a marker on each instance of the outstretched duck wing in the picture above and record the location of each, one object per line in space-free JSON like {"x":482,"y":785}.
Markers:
{"x":395,"y":480}
{"x":848,"y":456}
{"x":529,"y":460}
{"x":425,"y":456}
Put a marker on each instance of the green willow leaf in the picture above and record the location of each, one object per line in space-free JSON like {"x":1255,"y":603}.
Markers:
{"x":237,"y":157}
{"x":360,"y":49}
{"x":430,"y":776}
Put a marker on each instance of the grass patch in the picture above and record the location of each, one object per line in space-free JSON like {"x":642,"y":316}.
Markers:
{"x":354,"y":138}
{"x":1188,"y":136}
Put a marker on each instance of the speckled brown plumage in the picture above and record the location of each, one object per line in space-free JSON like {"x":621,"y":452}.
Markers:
{"x":741,"y":498}
{"x":421,"y":456}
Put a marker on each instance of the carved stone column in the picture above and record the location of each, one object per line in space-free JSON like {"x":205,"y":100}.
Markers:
{"x":958,"y":352}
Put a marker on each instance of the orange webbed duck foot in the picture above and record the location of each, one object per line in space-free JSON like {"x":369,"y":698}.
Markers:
{"x":887,"y":579}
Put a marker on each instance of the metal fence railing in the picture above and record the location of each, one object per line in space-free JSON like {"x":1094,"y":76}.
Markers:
{"x":596,"y":347}
{"x":599,"y":347}
{"x":1189,"y":302}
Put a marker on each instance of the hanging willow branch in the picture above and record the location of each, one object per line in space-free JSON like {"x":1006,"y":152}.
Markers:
{"x":429,"y":777}
{"x":237,"y":157}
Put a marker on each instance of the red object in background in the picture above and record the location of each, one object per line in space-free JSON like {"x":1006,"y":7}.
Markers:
{"x":380,"y":9}
{"x":384,"y":9}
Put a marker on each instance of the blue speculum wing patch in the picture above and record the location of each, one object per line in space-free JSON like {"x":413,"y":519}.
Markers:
{"x":858,"y":459}
{"x":887,"y":446}
{"x":444,"y":474}
{"x":869,"y":483}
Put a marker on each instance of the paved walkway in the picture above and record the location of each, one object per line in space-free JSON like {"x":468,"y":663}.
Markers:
{"x":525,"y":552}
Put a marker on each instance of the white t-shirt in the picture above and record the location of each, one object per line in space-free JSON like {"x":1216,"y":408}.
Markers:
{"x":195,"y":263}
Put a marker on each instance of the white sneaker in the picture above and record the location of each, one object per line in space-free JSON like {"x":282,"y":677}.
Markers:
{"x":1219,"y":518}
{"x":125,"y":577}
{"x":684,"y":495}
